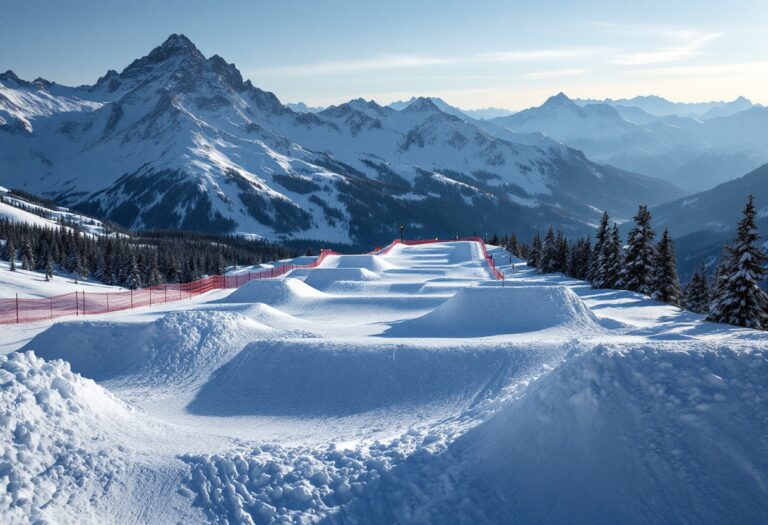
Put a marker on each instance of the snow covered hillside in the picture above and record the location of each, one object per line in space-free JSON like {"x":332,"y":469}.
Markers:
{"x":693,"y":147}
{"x":17,"y":209}
{"x":405,"y":387}
{"x":178,"y":140}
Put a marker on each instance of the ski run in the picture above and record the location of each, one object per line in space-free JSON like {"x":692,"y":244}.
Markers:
{"x":402,"y":387}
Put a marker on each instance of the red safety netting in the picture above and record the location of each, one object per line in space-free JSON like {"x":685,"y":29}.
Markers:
{"x":20,"y":310}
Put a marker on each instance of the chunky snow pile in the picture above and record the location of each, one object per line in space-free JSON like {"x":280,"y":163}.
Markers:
{"x":314,"y":378}
{"x":178,"y":349}
{"x":57,"y":441}
{"x":374,"y":263}
{"x":274,"y":292}
{"x":271,"y":484}
{"x":485,"y":311}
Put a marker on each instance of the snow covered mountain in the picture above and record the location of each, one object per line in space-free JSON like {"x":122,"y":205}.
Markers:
{"x":692,"y":153}
{"x":178,"y":140}
{"x":702,"y":222}
{"x":662,"y":107}
{"x":480,"y":114}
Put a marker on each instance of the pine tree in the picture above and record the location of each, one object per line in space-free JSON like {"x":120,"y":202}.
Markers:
{"x":696,"y":297}
{"x":739,"y":299}
{"x":27,"y":255}
{"x":640,"y":254}
{"x":534,"y":257}
{"x":48,"y":267}
{"x":666,"y":286}
{"x":613,"y":260}
{"x":76,"y":265}
{"x":512,"y":247}
{"x":548,"y":262}
{"x":11,"y":248}
{"x":597,"y":268}
{"x":133,"y":276}
{"x":562,"y":250}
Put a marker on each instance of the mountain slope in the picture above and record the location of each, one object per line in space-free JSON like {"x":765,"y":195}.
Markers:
{"x":693,"y":153}
{"x":178,"y":140}
{"x":702,"y":222}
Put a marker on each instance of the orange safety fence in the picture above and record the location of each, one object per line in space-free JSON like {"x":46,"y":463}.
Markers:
{"x":21,"y":310}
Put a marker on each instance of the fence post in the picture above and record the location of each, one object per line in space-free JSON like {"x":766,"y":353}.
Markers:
{"x":17,"y":307}
{"x":83,"y":302}
{"x":77,"y":304}
{"x":150,"y":295}
{"x":131,"y":298}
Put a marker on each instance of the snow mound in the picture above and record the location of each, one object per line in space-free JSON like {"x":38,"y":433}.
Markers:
{"x":325,"y":278}
{"x":177,"y":349}
{"x":57,"y":441}
{"x":322,"y":379}
{"x":374,"y":263}
{"x":274,"y":292}
{"x":633,"y":436}
{"x":485,"y":311}
{"x":651,"y":432}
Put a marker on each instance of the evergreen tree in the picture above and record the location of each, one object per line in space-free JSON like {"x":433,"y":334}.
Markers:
{"x":696,"y":297}
{"x":613,"y":260}
{"x":27,"y":255}
{"x":640,"y":254}
{"x":666,"y":286}
{"x":597,"y":268}
{"x":534,"y":257}
{"x":48,"y":267}
{"x":739,"y":300}
{"x":512,"y":247}
{"x":76,"y":265}
{"x":11,"y":248}
{"x":548,"y":262}
{"x":562,"y":248}
{"x":133,"y":276}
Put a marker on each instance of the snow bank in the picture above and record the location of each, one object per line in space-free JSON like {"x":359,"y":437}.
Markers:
{"x":621,"y":436}
{"x":634,"y":436}
{"x":374,"y":263}
{"x":179,"y":348}
{"x":57,"y":445}
{"x":273,"y":292}
{"x":485,"y":311}
{"x":320,"y":379}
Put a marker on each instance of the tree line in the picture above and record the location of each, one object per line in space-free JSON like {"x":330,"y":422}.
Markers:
{"x":142,"y":259}
{"x":648,"y":267}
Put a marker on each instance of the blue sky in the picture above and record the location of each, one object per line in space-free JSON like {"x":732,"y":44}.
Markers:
{"x":473,"y":54}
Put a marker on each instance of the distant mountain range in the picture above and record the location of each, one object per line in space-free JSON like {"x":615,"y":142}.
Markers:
{"x":694,"y":153}
{"x":178,"y":140}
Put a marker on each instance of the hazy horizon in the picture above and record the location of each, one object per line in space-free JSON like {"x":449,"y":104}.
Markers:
{"x":495,"y":54}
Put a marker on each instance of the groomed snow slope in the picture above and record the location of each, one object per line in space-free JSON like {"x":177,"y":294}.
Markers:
{"x":427,"y":395}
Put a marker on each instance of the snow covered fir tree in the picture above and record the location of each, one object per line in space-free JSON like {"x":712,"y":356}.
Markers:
{"x":738,"y":298}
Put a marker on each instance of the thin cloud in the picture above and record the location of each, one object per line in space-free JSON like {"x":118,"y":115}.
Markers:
{"x":689,"y":45}
{"x":535,"y":54}
{"x":554,"y":73}
{"x":383,"y":62}
{"x":703,"y":70}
